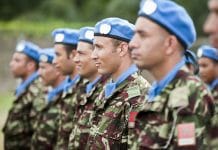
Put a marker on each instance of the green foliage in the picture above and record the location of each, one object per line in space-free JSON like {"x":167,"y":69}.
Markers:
{"x":198,"y":11}
{"x":38,"y":28}
{"x":5,"y":101}
{"x":59,"y":9}
{"x":10,"y":9}
{"x":88,"y":10}
{"x":123,"y":8}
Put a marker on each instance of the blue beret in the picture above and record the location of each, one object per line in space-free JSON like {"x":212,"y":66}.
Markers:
{"x":115,"y":28}
{"x":29,"y":49}
{"x":66,"y":36}
{"x":191,"y":58}
{"x":86,"y":34}
{"x":208,"y":51}
{"x":47,"y":55}
{"x":171,"y":17}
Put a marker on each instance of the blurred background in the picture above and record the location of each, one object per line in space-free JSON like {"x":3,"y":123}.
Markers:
{"x":35,"y":19}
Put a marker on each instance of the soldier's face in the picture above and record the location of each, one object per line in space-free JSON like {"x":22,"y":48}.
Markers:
{"x":84,"y":63}
{"x":62,"y":61}
{"x":211,"y":23}
{"x":18,"y":65}
{"x":207,"y":70}
{"x":105,"y":55}
{"x":48,"y":73}
{"x":147,"y":45}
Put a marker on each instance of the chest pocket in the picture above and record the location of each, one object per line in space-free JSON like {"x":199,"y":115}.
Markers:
{"x":155,"y":107}
{"x":114,"y":121}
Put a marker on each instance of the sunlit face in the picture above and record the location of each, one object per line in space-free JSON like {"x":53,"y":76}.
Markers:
{"x":105,"y":55}
{"x":18,"y":65}
{"x":48,"y":73}
{"x":62,"y":61}
{"x":147,"y":44}
{"x":211,"y":23}
{"x":207,"y":69}
{"x":84,"y":63}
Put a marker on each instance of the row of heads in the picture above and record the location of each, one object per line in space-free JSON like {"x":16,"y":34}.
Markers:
{"x":166,"y":13}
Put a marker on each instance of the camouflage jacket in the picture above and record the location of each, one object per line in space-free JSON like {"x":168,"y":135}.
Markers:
{"x":46,"y":126}
{"x":214,"y":122}
{"x":185,"y":100}
{"x":68,"y":106}
{"x":38,"y":105}
{"x":215,"y":93}
{"x":109,"y":124}
{"x":18,"y":128}
{"x":80,"y":132}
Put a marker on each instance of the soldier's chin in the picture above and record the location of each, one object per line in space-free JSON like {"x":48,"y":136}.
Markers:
{"x":138,"y":64}
{"x":214,"y":43}
{"x":15,"y":75}
{"x":45,"y":83}
{"x":102,"y":71}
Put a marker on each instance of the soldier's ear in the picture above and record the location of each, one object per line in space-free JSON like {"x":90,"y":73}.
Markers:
{"x":170,"y":44}
{"x":123,"y":49}
{"x":73,"y":54}
{"x":30,"y":65}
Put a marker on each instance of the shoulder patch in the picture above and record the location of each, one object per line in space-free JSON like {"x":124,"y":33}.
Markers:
{"x":179,"y":97}
{"x":133,"y":91}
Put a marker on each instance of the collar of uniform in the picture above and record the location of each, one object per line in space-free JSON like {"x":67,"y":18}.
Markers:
{"x":157,"y":87}
{"x":91,"y":85}
{"x":169,"y":87}
{"x":71,"y":83}
{"x":111,"y":86}
{"x":55,"y":92}
{"x":70,"y":89}
{"x":102,"y":100}
{"x":119,"y":88}
{"x":23,"y":86}
{"x":213,"y":84}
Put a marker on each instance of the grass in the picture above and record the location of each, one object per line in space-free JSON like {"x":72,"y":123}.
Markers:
{"x":38,"y":28}
{"x":5,"y":103}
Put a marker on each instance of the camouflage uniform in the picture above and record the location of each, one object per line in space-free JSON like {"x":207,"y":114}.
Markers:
{"x":68,"y":106}
{"x":18,"y":128}
{"x":110,"y":120}
{"x":46,"y":127}
{"x":214,"y":122}
{"x":185,"y":100}
{"x":80,"y":133}
{"x":38,"y":104}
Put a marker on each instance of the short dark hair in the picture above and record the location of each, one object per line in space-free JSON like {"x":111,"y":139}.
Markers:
{"x":36,"y":64}
{"x":69,"y":48}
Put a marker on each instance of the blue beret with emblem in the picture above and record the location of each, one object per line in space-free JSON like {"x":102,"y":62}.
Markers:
{"x":86,"y":34}
{"x":66,"y":36}
{"x":172,"y":17}
{"x":116,"y":28}
{"x":47,"y":55}
{"x":208,"y":51}
{"x":29,"y":49}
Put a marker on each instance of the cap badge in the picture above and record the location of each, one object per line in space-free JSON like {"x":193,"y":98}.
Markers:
{"x":149,"y":7}
{"x":89,"y":34}
{"x":59,"y":37}
{"x":105,"y":28}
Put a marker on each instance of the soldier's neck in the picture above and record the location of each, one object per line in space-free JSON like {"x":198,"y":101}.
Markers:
{"x":73,"y":74}
{"x":123,"y":67}
{"x":58,"y":81}
{"x":29,"y":73}
{"x":160,"y":71}
{"x":93,"y":76}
